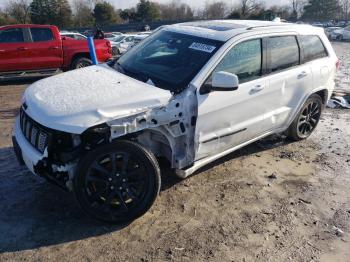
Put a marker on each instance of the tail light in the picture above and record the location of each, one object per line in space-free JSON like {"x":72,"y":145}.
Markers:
{"x":108,"y":44}
{"x":338,"y":64}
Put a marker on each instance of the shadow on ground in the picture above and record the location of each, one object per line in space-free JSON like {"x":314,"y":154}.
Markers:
{"x":23,"y":80}
{"x":37,"y":214}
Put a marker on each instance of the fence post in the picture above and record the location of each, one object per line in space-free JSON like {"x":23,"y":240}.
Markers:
{"x":92,"y":50}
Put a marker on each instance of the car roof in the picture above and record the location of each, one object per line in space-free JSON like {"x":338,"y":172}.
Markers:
{"x":224,"y":30}
{"x":26,"y":26}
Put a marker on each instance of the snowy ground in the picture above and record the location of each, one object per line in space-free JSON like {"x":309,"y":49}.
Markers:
{"x":271,"y":201}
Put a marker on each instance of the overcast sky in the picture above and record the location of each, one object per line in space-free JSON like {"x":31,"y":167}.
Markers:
{"x":193,"y":3}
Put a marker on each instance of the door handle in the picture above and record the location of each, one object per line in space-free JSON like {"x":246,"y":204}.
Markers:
{"x":302,"y":75}
{"x":53,"y":47}
{"x":258,"y":88}
{"x":22,"y":48}
{"x":2,"y":51}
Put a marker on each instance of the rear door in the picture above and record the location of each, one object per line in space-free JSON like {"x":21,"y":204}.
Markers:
{"x":317,"y":59}
{"x":45,"y":48}
{"x":12,"y":47}
{"x":288,"y":80}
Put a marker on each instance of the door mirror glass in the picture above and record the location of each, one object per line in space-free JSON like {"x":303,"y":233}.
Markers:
{"x":224,"y":81}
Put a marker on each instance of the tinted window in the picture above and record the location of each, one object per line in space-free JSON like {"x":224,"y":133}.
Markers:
{"x":41,"y":34}
{"x":244,"y":60}
{"x":13,"y":35}
{"x":313,"y":48}
{"x":284,"y":52}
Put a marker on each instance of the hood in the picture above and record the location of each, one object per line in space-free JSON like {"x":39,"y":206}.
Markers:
{"x":77,"y":100}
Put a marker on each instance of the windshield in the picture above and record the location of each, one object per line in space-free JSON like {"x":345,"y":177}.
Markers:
{"x":168,"y":60}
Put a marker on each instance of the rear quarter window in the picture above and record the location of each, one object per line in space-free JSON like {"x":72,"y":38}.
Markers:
{"x":41,"y":34}
{"x":313,"y":48}
{"x":283,"y":52}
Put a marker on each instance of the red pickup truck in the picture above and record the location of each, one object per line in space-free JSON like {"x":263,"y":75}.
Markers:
{"x":40,"y":48}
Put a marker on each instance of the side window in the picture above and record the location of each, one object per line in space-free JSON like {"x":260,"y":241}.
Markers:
{"x":284,"y":52}
{"x":313,"y":48}
{"x":244,"y":60}
{"x":11,"y":35}
{"x":41,"y":34}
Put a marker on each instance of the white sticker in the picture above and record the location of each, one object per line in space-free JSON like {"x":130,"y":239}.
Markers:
{"x":202,"y":47}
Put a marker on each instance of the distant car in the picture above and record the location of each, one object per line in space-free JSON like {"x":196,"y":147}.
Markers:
{"x":26,"y":49}
{"x":317,"y":24}
{"x":341,"y":34}
{"x":115,"y":42}
{"x":76,"y":36}
{"x":145,"y":33}
{"x":110,"y":36}
{"x":126,"y":43}
{"x":330,"y":30}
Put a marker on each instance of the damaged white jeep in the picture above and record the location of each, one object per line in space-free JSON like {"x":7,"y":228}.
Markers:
{"x":190,"y":93}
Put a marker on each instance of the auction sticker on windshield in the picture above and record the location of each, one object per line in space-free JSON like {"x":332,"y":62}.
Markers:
{"x":202,"y":47}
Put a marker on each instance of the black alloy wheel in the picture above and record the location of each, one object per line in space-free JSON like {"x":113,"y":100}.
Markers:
{"x":117,"y":182}
{"x":307,"y":119}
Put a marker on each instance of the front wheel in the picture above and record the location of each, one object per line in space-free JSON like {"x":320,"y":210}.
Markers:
{"x":117,"y":182}
{"x":307,"y":119}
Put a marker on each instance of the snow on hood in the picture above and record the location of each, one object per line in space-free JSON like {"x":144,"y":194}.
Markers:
{"x":77,"y":100}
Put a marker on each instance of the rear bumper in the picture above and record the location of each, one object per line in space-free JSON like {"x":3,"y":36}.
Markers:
{"x":25,"y":152}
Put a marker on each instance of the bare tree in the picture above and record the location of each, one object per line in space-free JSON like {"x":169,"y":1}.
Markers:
{"x":345,"y":4}
{"x":175,"y":11}
{"x":248,"y":6}
{"x":297,"y":8}
{"x":216,"y":10}
{"x":19,"y":10}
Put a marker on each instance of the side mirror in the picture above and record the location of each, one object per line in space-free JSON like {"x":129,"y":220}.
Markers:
{"x":64,"y":38}
{"x":224,"y":81}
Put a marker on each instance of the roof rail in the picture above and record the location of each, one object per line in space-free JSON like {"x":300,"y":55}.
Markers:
{"x":261,"y":26}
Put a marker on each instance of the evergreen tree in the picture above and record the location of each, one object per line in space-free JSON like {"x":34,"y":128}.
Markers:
{"x":55,"y":12}
{"x":321,"y":10}
{"x":105,"y":14}
{"x":147,"y":11}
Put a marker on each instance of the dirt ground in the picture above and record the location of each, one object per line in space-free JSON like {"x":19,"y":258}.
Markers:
{"x":271,"y":201}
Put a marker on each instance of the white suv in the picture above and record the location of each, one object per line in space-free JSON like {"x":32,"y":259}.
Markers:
{"x":190,"y":93}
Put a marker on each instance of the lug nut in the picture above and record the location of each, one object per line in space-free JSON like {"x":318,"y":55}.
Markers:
{"x":120,"y":188}
{"x":110,"y":179}
{"x":124,"y":180}
{"x":112,"y":187}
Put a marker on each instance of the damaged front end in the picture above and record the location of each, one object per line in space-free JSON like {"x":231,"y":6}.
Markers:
{"x":167,"y":131}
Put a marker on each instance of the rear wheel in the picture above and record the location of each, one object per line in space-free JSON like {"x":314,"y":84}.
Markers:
{"x":307,"y":119}
{"x":81,"y":62}
{"x":117,"y":182}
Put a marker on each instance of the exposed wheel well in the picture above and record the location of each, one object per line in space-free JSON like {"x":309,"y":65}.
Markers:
{"x":324,"y":95}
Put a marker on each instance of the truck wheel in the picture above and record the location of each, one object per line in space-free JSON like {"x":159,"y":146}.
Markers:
{"x":307,"y":119}
{"x":117,"y":182}
{"x":81,"y":62}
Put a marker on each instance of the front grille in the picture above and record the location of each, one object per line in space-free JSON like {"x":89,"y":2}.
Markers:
{"x":34,"y":132}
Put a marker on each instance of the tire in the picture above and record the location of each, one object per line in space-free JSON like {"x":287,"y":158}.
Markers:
{"x":81,"y":62}
{"x":307,"y":119}
{"x":117,"y":193}
{"x":340,"y":38}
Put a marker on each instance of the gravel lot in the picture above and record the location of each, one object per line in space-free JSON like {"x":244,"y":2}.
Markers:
{"x":271,"y":201}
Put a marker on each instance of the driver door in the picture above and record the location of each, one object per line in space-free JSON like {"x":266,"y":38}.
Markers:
{"x":229,"y":118}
